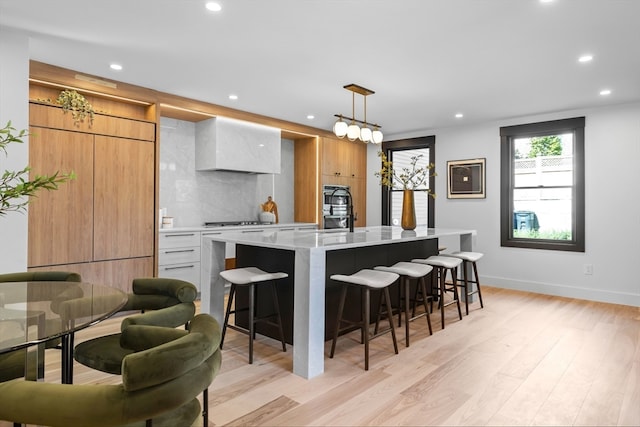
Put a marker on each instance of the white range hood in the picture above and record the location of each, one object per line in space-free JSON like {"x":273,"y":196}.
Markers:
{"x":235,"y":145}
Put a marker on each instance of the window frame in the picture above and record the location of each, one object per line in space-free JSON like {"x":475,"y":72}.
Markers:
{"x":508,"y":134}
{"x":408,"y":144}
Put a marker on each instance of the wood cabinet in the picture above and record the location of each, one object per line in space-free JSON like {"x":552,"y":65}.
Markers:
{"x":345,"y":163}
{"x":101,"y":224}
{"x":326,"y":161}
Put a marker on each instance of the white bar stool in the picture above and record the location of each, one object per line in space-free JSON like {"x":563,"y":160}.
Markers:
{"x":366,"y":280}
{"x":250,"y":276}
{"x":467,"y":284}
{"x":442,"y":264}
{"x":408,"y":271}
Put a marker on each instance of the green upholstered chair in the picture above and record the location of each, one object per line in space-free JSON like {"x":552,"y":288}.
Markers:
{"x":163,"y":302}
{"x":160,"y":382}
{"x":12,"y":364}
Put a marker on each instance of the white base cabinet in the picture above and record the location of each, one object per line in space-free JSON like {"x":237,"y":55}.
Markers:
{"x":179,"y":256}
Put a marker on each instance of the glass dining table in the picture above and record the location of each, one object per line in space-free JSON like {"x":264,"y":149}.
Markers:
{"x":32,"y":313}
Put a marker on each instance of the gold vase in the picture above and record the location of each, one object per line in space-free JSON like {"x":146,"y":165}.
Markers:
{"x":408,"y":210}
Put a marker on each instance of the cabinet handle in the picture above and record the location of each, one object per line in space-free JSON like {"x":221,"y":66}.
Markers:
{"x":252,"y":231}
{"x":179,"y":235}
{"x":211,"y":234}
{"x":178,"y":267}
{"x":287,"y":229}
{"x":179,"y":251}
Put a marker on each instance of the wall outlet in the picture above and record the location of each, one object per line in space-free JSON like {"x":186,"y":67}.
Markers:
{"x":588,"y":269}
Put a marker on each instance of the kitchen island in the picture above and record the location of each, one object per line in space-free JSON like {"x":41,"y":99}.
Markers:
{"x":309,"y":256}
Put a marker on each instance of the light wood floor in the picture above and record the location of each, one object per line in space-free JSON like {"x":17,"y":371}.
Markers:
{"x":525,"y":359}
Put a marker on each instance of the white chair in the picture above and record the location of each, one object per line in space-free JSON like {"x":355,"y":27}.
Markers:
{"x":408,"y":271}
{"x":442,"y":265}
{"x":366,"y":280}
{"x":250,"y":277}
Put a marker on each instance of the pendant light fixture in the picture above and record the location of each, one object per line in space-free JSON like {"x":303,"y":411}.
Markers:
{"x":352,"y":130}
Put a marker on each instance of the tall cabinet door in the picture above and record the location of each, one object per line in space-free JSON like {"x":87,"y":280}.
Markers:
{"x":61,"y":221}
{"x":123,"y":201}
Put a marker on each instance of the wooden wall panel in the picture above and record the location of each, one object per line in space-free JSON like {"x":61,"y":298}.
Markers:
{"x":307,"y":203}
{"x":124,"y":210}
{"x":61,"y":221}
{"x":118,"y":273}
{"x":41,"y":115}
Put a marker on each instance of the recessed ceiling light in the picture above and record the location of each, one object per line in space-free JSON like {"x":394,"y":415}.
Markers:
{"x":213,"y":6}
{"x":459,"y":115}
{"x":546,"y":1}
{"x":311,"y":117}
{"x":233,"y":97}
{"x":585,"y":58}
{"x":116,"y":67}
{"x":605,"y":92}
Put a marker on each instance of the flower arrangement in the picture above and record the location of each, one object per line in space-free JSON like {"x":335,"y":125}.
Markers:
{"x":80,"y":108}
{"x":414,"y":177}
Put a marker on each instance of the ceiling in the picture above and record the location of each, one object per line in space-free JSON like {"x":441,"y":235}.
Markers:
{"x":426,"y":60}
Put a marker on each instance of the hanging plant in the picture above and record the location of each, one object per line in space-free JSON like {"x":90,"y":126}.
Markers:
{"x":80,"y":108}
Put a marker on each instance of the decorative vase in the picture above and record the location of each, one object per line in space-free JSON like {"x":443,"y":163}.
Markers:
{"x":408,"y":210}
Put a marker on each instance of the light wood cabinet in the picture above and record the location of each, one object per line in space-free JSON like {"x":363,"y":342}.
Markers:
{"x":329,"y":161}
{"x":101,"y":224}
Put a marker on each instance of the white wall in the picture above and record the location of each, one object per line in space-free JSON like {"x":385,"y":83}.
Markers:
{"x":612,"y":151}
{"x":14,"y":106}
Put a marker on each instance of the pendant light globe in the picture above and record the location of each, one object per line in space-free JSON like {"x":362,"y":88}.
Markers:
{"x":353,"y":132}
{"x":376,"y":136}
{"x":340,"y":128}
{"x":366,"y":134}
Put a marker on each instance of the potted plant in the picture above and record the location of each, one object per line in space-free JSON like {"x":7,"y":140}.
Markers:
{"x":17,"y":186}
{"x":80,"y":108}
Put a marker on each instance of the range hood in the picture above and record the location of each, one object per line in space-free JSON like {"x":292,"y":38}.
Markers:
{"x":235,"y":145}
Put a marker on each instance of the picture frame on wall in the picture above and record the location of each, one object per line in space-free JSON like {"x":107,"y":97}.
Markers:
{"x":466,"y":179}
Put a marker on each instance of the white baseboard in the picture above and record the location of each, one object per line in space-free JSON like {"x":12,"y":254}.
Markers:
{"x":563,"y":290}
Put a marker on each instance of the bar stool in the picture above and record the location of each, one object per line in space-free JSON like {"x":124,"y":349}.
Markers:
{"x":469,"y":258}
{"x":251,"y":276}
{"x":442,"y":265}
{"x":366,"y":280}
{"x":408,"y":271}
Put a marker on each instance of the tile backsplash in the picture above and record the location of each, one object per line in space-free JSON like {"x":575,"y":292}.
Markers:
{"x":192,"y":198}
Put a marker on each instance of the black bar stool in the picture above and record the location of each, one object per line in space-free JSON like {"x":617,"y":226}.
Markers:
{"x":408,"y":271}
{"x":366,"y":280}
{"x":467,"y":284}
{"x":251,"y":276}
{"x":443,"y":264}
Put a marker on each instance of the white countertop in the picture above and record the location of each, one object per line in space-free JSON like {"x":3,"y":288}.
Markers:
{"x":238,"y":227}
{"x":335,"y":238}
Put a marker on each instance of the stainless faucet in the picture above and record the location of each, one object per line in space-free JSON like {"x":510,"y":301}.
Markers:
{"x":349,"y":206}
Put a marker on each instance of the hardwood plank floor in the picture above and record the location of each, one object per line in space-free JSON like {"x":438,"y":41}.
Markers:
{"x":525,"y":359}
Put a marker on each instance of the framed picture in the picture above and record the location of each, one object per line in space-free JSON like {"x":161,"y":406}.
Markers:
{"x":465,"y":179}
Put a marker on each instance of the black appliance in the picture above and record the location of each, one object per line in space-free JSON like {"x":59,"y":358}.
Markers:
{"x":337,"y":208}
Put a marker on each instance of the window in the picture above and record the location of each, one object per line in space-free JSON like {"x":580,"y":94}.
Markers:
{"x":542,"y":185}
{"x":400,"y":153}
